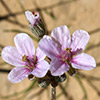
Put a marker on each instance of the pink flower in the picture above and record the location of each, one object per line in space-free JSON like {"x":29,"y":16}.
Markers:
{"x":25,"y":59}
{"x":32,"y":17}
{"x":64,"y":50}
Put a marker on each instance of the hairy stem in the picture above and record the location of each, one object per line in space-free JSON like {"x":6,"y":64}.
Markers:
{"x":53,"y":93}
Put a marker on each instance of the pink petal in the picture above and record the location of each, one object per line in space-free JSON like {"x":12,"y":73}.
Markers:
{"x":80,"y":39}
{"x":62,"y":35}
{"x":41,"y":69}
{"x":18,"y":74}
{"x":40,"y":55}
{"x":49,"y":47}
{"x":84,"y":62}
{"x":58,"y":67}
{"x":31,"y":18}
{"x":78,"y":51}
{"x":11,"y":56}
{"x":24,"y":44}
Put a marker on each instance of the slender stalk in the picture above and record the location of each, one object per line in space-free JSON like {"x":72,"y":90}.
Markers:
{"x":53,"y":93}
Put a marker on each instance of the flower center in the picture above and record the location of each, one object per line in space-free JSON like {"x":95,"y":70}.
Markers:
{"x":66,"y":55}
{"x":30,"y":62}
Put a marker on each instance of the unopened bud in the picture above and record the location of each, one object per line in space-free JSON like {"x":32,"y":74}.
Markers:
{"x":54,"y":84}
{"x":43,"y":82}
{"x":31,"y":77}
{"x":37,"y":31}
{"x":61,"y":78}
{"x":36,"y":26}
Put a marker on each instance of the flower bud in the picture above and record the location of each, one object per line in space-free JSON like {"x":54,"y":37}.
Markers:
{"x":36,"y":26}
{"x":31,"y":77}
{"x":43,"y":82}
{"x":61,"y":78}
{"x":54,"y":84}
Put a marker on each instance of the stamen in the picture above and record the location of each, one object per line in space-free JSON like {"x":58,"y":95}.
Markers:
{"x":30,"y":62}
{"x":68,"y":50}
{"x":34,"y":13}
{"x":24,"y":58}
{"x":66,"y":56}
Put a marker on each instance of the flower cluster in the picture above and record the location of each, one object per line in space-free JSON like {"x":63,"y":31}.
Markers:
{"x":64,"y":52}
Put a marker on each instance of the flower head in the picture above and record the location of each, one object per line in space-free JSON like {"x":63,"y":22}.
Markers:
{"x":64,"y":51}
{"x":25,"y":59}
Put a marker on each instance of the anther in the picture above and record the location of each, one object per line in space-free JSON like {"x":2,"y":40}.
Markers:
{"x":24,"y":58}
